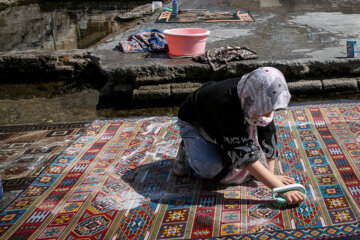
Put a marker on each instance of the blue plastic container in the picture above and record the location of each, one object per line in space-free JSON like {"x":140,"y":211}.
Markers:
{"x":352,"y":49}
{"x":174,"y":7}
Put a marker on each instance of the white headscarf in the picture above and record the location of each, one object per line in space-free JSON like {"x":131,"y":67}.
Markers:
{"x":262,"y":91}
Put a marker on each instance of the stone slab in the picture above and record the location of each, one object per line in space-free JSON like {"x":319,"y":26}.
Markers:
{"x":305,"y":87}
{"x":156,"y":92}
{"x":340,"y":85}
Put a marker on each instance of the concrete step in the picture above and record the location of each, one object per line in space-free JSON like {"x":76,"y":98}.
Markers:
{"x":138,"y":77}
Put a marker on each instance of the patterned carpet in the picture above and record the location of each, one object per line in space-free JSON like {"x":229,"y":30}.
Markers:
{"x":25,"y":150}
{"x":192,"y":16}
{"x":114,"y":182}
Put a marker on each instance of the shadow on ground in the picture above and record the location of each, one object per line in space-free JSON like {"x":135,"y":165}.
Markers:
{"x":154,"y":181}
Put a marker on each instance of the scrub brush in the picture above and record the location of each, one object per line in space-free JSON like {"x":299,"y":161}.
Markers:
{"x":279,"y":201}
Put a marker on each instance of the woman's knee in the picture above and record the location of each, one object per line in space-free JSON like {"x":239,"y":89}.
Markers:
{"x":208,"y":171}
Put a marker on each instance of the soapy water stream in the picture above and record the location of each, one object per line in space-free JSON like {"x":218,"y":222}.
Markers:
{"x":149,"y":182}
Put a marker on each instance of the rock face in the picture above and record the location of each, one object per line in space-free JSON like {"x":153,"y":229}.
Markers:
{"x":43,"y":66}
{"x":43,"y":31}
{"x":66,"y":25}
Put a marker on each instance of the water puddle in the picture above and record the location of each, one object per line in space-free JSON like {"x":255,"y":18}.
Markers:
{"x":36,"y":103}
{"x":291,"y":29}
{"x":58,"y":25}
{"x":291,"y":6}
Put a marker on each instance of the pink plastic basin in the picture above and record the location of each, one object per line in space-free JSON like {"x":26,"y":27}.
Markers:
{"x":186,"y":41}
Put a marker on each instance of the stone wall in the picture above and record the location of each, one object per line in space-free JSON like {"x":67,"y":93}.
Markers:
{"x":142,"y":79}
{"x":43,"y":66}
{"x":168,"y":79}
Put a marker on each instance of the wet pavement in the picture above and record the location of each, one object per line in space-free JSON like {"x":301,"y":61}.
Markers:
{"x":301,"y":29}
{"x":41,"y":107}
{"x":38,"y":106}
{"x":283,"y":29}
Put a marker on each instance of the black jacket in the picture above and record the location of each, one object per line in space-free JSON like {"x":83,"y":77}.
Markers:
{"x":216,"y":108}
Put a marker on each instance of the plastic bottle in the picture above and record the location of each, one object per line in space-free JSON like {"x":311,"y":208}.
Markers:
{"x":174,"y":7}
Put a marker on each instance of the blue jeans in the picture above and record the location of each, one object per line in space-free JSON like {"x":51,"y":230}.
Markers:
{"x":204,"y":157}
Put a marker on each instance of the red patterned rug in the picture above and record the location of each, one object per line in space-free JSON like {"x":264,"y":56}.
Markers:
{"x":114,"y":182}
{"x":192,"y":16}
{"x":25,"y":150}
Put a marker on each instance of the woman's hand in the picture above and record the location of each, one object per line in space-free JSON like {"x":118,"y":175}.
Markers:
{"x":285,"y":179}
{"x":293,"y":197}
